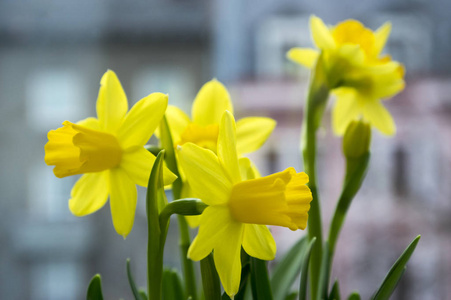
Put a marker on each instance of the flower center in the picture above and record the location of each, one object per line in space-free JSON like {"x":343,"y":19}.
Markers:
{"x":203,"y":136}
{"x":353,"y":32}
{"x":281,"y":199}
{"x":75,"y":149}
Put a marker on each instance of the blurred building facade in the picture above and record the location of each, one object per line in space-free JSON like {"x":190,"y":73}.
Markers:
{"x":52,"y":56}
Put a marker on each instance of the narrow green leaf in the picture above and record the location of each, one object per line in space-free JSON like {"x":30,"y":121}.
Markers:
{"x":292,"y":296}
{"x":335,"y":292}
{"x":172,"y":285}
{"x":354,"y":296}
{"x":323,"y":284}
{"x":95,"y":289}
{"x":287,"y":269}
{"x":210,"y":278}
{"x":143,"y":294}
{"x":304,"y":270}
{"x":156,"y":230}
{"x":261,"y":288}
{"x":132,"y":282}
{"x":394,"y":275}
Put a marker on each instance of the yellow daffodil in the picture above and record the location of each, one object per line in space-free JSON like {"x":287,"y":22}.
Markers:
{"x":357,"y":73}
{"x":109,"y":152}
{"x":239,"y":208}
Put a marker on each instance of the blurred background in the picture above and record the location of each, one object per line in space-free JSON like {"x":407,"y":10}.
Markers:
{"x":53,"y":54}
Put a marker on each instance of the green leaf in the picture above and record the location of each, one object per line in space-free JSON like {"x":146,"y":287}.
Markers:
{"x":143,"y":294}
{"x":394,"y":275}
{"x":324,"y":274}
{"x":172,"y":285}
{"x":287,"y":269}
{"x":156,"y":229}
{"x":261,"y":288}
{"x":95,"y":289}
{"x":291,"y":296}
{"x":335,"y":292}
{"x":132,"y":282}
{"x":304,"y":270}
{"x":210,"y":278}
{"x":354,"y":296}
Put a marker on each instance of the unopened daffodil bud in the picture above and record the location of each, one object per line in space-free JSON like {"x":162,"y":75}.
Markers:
{"x":357,"y":139}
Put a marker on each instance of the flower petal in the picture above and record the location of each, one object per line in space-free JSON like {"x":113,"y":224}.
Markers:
{"x":142,"y":120}
{"x":227,"y":257}
{"x":378,"y":116}
{"x":304,"y":56}
{"x":89,"y":194}
{"x":210,"y":103}
{"x":111,"y":103}
{"x":204,"y":173}
{"x":227,"y":147}
{"x":346,"y":109}
{"x":321,"y":34}
{"x":123,"y":196}
{"x":258,"y":242}
{"x":138,"y":164}
{"x":178,"y":121}
{"x":380,"y":37}
{"x":252,"y":133}
{"x":213,"y":223}
{"x":91,"y":123}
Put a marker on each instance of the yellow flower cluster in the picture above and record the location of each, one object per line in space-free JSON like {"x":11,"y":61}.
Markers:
{"x":109,"y":153}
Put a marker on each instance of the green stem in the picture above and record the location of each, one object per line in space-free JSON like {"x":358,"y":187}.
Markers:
{"x":355,"y":174}
{"x":318,"y":93}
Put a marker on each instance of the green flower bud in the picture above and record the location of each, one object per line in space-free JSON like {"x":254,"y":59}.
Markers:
{"x":357,"y":139}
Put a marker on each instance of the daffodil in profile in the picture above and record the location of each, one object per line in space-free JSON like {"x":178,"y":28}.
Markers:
{"x":109,"y":151}
{"x":357,"y":72}
{"x":239,"y":208}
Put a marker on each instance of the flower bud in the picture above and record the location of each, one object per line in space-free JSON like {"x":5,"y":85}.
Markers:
{"x":357,"y":139}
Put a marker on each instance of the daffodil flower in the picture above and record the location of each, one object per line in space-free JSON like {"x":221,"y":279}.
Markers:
{"x":357,"y":73}
{"x":239,"y":208}
{"x":109,"y":151}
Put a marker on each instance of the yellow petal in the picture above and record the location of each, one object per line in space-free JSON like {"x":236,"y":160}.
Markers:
{"x":346,"y":109}
{"x":111,"y":103}
{"x":138,"y":164}
{"x":227,"y":147}
{"x":89,"y":194}
{"x":379,"y":117}
{"x":122,"y":201}
{"x":91,"y":123}
{"x":252,"y":133}
{"x":178,"y":121}
{"x":227,"y":257}
{"x":205,"y":174}
{"x":321,"y":34}
{"x":142,"y":120}
{"x":258,"y":242}
{"x":381,"y":36}
{"x":210,"y":103}
{"x":213,"y":223}
{"x":304,"y":56}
